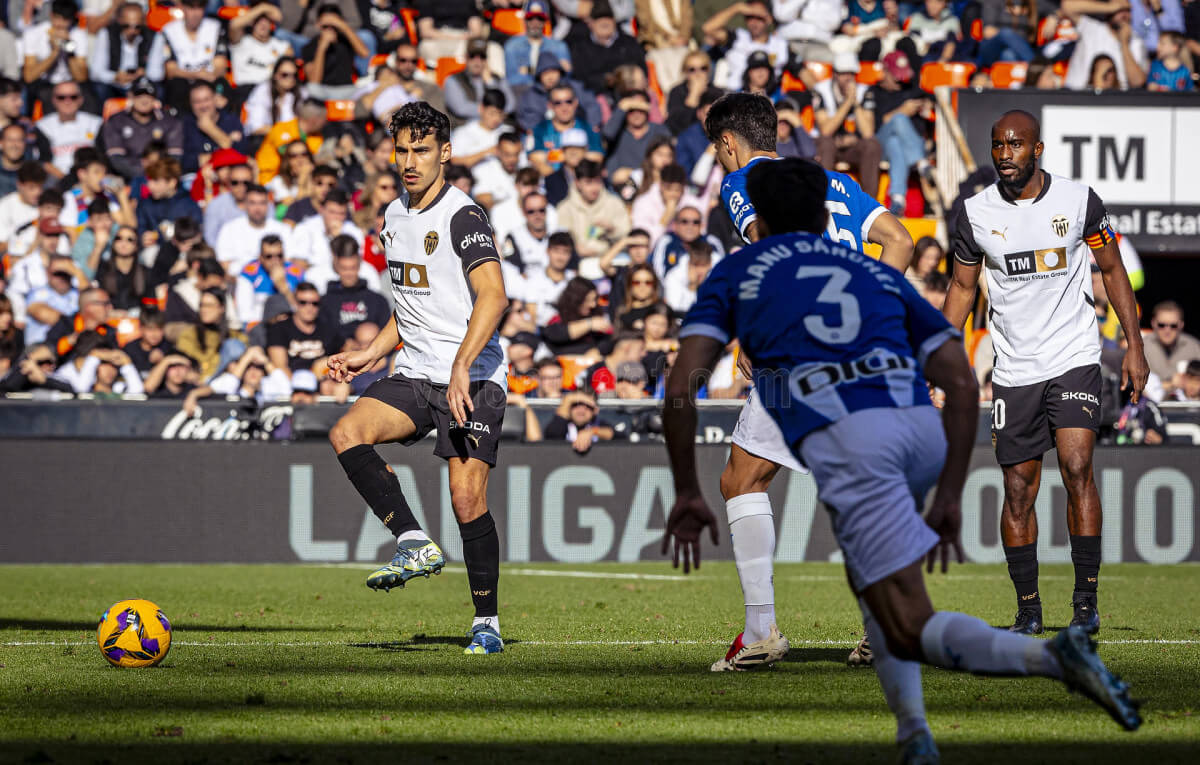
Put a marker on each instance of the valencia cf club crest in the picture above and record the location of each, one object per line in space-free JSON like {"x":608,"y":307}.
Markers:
{"x":431,"y":242}
{"x":1060,"y":224}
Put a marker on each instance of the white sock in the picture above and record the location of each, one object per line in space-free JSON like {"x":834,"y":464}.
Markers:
{"x":958,"y":641}
{"x":752,"y":529}
{"x":491,"y":621}
{"x":901,"y":681}
{"x":416,"y":535}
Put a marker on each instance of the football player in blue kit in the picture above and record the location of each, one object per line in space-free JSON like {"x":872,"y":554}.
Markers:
{"x":742,"y":127}
{"x":842,"y":349}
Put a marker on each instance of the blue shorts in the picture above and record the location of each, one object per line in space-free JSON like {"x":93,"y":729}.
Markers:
{"x":873,"y":469}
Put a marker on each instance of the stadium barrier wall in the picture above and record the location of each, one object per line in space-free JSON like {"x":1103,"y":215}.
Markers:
{"x":70,"y":501}
{"x":1137,"y":149}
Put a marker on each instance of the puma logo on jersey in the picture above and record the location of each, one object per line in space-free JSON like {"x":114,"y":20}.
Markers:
{"x":386,"y":238}
{"x":474,"y":439}
{"x":1002,"y":234}
{"x":1090,"y":413}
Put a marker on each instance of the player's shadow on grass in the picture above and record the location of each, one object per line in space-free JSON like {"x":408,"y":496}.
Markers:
{"x":52,"y":625}
{"x":809,"y":655}
{"x":420,"y":642}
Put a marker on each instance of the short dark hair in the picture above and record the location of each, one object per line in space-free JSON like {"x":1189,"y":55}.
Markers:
{"x":9,"y":85}
{"x":561,"y":239}
{"x":509,"y":137}
{"x":186,"y":227}
{"x":65,"y":9}
{"x":455,"y":172}
{"x":337,"y":196}
{"x":937,"y":280}
{"x":255,"y":188}
{"x":602,"y":9}
{"x":420,"y":119}
{"x":306,"y":287}
{"x":751,"y":118}
{"x":529,"y":176}
{"x":154,"y":147}
{"x":494,"y":98}
{"x":50,"y":197}
{"x":589,"y":168}
{"x":31,"y":172}
{"x":639,"y":232}
{"x":150,"y":316}
{"x":344,"y":246}
{"x":200,"y":85}
{"x":324,"y":8}
{"x":271,"y":239}
{"x":210,"y":267}
{"x":320,"y":171}
{"x":98,"y":206}
{"x":672,"y":174}
{"x":1167,"y":305}
{"x":789,"y":195}
{"x":699,"y":251}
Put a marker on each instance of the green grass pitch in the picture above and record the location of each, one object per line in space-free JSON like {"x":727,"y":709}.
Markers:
{"x":609,"y":662}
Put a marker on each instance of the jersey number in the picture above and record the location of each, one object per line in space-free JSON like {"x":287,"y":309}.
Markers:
{"x":839,"y":234}
{"x":999,"y":415}
{"x":833,"y":293}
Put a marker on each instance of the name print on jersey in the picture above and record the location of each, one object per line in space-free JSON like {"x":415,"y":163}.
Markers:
{"x":1051,"y":262}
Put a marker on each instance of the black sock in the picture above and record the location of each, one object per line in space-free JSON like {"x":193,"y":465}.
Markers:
{"x":377,"y":484}
{"x":481,"y":553}
{"x":1023,"y":570}
{"x":1085,"y":554}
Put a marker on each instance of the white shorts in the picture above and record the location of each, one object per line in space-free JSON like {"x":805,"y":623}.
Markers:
{"x":872,"y":468}
{"x":757,"y":433}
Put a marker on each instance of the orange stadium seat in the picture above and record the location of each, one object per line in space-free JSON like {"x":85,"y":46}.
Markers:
{"x":977,"y":30}
{"x":447,"y":66}
{"x":161,"y":15}
{"x":339,"y":110}
{"x":791,"y":83}
{"x":112,"y":106}
{"x":230,"y":12}
{"x":954,"y":74}
{"x":870,"y":72}
{"x":1009,"y":75}
{"x":511,"y":22}
{"x":821,"y":70}
{"x":409,"y":15}
{"x":652,"y":79}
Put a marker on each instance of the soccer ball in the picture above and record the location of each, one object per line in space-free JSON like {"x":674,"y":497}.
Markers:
{"x":134,"y":633}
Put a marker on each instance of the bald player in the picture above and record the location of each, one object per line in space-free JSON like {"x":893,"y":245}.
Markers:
{"x":1033,"y":232}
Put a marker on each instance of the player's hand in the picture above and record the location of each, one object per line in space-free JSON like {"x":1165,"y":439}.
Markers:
{"x":1134,"y":373}
{"x":945,"y":518}
{"x":458,"y":394}
{"x":344,"y":367}
{"x":937,"y":396}
{"x":689,"y":515}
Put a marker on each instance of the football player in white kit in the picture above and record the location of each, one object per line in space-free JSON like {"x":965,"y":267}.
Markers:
{"x":1036,"y":233}
{"x":449,"y":376}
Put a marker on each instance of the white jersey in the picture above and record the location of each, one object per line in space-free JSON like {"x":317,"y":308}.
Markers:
{"x":253,"y":61}
{"x":1037,"y":259}
{"x":194,"y":54}
{"x":429,"y":254}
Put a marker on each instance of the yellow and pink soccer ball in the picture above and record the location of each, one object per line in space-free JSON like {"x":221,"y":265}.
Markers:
{"x":134,"y":633}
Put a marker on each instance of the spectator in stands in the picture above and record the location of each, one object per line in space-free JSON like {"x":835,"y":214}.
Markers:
{"x":576,"y":420}
{"x":445,"y":26}
{"x":172,"y":377}
{"x":156,"y":216}
{"x":935,"y":287}
{"x":1170,"y":72}
{"x":1009,"y":30}
{"x":151,"y":344}
{"x":629,"y":80}
{"x":95,"y":309}
{"x":545,"y":144}
{"x":404,"y":63}
{"x":112,"y":374}
{"x":210,"y":341}
{"x":791,"y":137}
{"x":550,"y":380}
{"x":465,"y":90}
{"x":330,"y":56}
{"x":461,"y":178}
{"x":630,"y":133}
{"x":1150,"y":18}
{"x":309,"y":241}
{"x":580,"y":326}
{"x":252,"y":377}
{"x":1103,"y":75}
{"x":522,"y":53}
{"x":378,"y":191}
{"x":1189,"y":384}
{"x":39,"y":241}
{"x":274,"y":101}
{"x":308,"y":126}
{"x":573,"y":150}
{"x":602,"y":47}
{"x":672,"y":247}
{"x":641,"y":293}
{"x":128,"y":133}
{"x":350,"y":300}
{"x":657,"y":334}
{"x":12,"y":339}
{"x":935,"y":30}
{"x":66,"y":128}
{"x":50,"y":302}
{"x":526,"y":246}
{"x":898,"y":104}
{"x":55,"y":52}
{"x":665,"y":30}
{"x":183,"y":296}
{"x":123,"y":277}
{"x":239,"y":241}
{"x":301,"y":341}
{"x":124,"y":51}
{"x":171,"y":256}
{"x":1113,"y":37}
{"x":655,"y":208}
{"x":631,"y":380}
{"x":759,"y":77}
{"x":692,"y":142}
{"x":12,"y":156}
{"x":300,"y":184}
{"x":253,"y":57}
{"x":594,"y":216}
{"x":758,"y":36}
{"x":495,"y":176}
{"x":196,"y":51}
{"x":809,"y":26}
{"x":846,"y":121}
{"x":228,"y":204}
{"x":680,"y":284}
{"x":268,"y":275}
{"x":34,"y":371}
{"x":207,"y":130}
{"x":928,"y":256}
{"x":476,"y":140}
{"x":625,"y":347}
{"x":544,"y":286}
{"x":381,"y":97}
{"x":686,"y":98}
{"x":1169,"y":348}
{"x":632,"y":250}
{"x":92,"y":185}
{"x":534,"y":102}
{"x":522,"y":372}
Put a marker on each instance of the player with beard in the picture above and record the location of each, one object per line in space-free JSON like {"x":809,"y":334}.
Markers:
{"x":449,"y":376}
{"x":1034,"y":232}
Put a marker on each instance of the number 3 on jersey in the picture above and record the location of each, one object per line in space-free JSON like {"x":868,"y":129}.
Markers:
{"x":833,"y":293}
{"x":834,"y":233}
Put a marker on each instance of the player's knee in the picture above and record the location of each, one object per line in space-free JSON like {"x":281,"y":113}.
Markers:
{"x":469,"y":501}
{"x":1076,"y":469}
{"x":904,"y":639}
{"x":345,"y":435}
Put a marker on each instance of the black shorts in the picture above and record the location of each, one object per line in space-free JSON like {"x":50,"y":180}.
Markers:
{"x":425,"y":404}
{"x":1025,"y":417}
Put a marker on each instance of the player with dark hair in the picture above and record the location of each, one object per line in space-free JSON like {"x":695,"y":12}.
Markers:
{"x":743,"y":129}
{"x":449,"y":375}
{"x":1036,"y":233}
{"x":842,"y":348}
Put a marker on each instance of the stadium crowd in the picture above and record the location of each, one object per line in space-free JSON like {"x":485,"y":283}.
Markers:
{"x":190,"y":193}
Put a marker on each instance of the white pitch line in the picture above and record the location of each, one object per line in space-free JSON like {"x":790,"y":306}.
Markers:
{"x":566,"y":574}
{"x":537,"y":643}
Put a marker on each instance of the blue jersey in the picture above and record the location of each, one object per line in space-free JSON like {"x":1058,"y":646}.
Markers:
{"x":830,"y":331}
{"x":851,"y":210}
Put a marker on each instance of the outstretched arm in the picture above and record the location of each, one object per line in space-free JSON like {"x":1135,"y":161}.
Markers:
{"x":888,"y":232}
